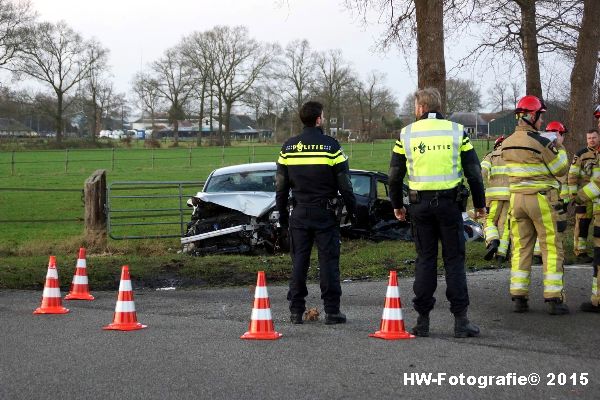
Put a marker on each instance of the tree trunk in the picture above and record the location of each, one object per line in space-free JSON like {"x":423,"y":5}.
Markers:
{"x":431,"y":64}
{"x":94,"y":130}
{"x":228,"y":105}
{"x":221,"y":136}
{"x":201,"y":114}
{"x":176,"y":132}
{"x":59,"y":117}
{"x":582,"y":76}
{"x":530,"y":48}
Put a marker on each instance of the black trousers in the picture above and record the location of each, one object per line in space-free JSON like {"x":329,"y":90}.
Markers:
{"x":310,"y":225}
{"x":433,"y":220}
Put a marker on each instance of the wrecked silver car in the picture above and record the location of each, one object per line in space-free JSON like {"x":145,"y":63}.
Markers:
{"x":235,"y":212}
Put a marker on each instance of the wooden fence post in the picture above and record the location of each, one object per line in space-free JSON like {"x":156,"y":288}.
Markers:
{"x":94,"y":193}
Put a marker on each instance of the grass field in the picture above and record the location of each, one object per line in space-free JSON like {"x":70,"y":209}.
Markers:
{"x":25,"y":246}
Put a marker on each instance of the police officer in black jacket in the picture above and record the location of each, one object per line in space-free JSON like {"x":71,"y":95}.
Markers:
{"x":315,"y":168}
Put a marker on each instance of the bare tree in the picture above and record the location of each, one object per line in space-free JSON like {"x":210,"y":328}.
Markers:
{"x":462,"y":95}
{"x":525,"y":28}
{"x":239,"y":62}
{"x":583,"y":73}
{"x":498,"y":97}
{"x":176,"y":84}
{"x":374,"y":100}
{"x":334,"y":75}
{"x":407,"y":20}
{"x":146,"y":89}
{"x":196,"y":50}
{"x":56,"y":55}
{"x":297,"y":71}
{"x":14,"y":17}
{"x":96,"y":84}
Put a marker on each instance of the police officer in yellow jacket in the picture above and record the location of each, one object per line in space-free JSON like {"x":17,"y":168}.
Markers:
{"x":497,"y":231}
{"x":436,"y":153}
{"x":533,"y":164}
{"x":315,"y":168}
{"x":579,"y":176}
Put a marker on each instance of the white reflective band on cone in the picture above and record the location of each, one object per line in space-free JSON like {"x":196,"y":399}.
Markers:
{"x":392,"y":292}
{"x":51,"y":292}
{"x":80,"y":280}
{"x":394,"y":314}
{"x":261,"y":292}
{"x":125,"y":306}
{"x":81,"y":263}
{"x":261,"y":314}
{"x":125,"y":286}
{"x":52,"y":273}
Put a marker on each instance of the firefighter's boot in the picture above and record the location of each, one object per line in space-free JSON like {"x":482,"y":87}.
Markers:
{"x":521,"y":304}
{"x":557,"y":307}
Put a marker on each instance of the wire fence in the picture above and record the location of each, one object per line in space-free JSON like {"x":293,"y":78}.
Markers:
{"x":24,"y":162}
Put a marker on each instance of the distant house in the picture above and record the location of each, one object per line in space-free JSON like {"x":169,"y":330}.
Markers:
{"x":241,"y":127}
{"x":474,"y":124}
{"x":12,"y":127}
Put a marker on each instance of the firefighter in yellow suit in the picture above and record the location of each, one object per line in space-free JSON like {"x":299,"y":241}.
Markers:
{"x":579,"y":176}
{"x":559,"y":129}
{"x":496,"y":230}
{"x":533,"y":164}
{"x":591,"y":192}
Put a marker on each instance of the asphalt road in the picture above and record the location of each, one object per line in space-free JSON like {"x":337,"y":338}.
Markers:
{"x":192,"y":349}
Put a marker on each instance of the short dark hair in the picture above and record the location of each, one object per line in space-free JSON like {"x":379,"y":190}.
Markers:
{"x":593,"y":131}
{"x":310,"y":111}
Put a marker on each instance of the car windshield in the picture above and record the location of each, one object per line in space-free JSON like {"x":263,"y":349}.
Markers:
{"x":361,"y":184}
{"x":254,"y":181}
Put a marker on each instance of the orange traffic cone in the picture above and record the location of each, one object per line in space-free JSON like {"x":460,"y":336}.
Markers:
{"x":261,"y":323}
{"x":51,"y":301}
{"x":125,"y":318}
{"x":392,"y":325}
{"x":79,"y":286}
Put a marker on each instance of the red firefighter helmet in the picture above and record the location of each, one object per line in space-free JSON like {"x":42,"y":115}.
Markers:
{"x":498,"y":141}
{"x":556,"y":126}
{"x":529,"y":104}
{"x":597,"y":111}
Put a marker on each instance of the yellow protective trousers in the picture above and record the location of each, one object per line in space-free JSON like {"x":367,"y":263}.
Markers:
{"x":534,"y":216}
{"x":497,"y":226}
{"x":583,"y":219}
{"x":595,"y":299}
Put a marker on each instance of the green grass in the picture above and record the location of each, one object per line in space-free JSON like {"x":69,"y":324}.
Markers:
{"x":25,"y":246}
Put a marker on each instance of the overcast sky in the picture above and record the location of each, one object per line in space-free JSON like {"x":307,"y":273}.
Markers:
{"x":138,"y":31}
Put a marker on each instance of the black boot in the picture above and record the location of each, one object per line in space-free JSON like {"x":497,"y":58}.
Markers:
{"x":557,"y":307}
{"x":521,"y":305}
{"x":492,"y":248}
{"x":296,"y":318}
{"x":589,"y":307}
{"x":422,"y":327}
{"x":337,"y":318}
{"x":464,"y":328}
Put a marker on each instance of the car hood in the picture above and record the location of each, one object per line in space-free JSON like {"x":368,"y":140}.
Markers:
{"x":254,"y":204}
